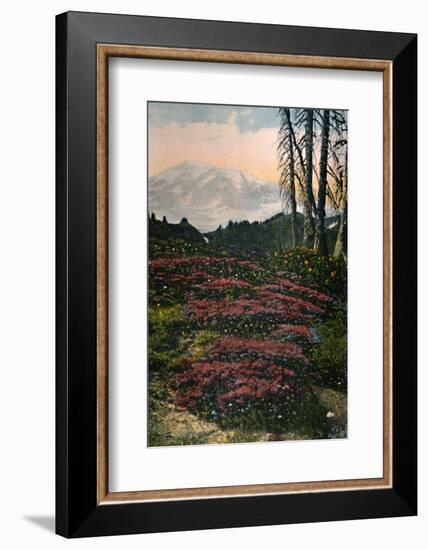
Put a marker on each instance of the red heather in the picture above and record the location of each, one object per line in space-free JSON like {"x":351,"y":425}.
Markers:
{"x":301,"y":331}
{"x":232,"y":383}
{"x":267,"y":303}
{"x":223,"y":283}
{"x":290,"y":286}
{"x":264,"y":347}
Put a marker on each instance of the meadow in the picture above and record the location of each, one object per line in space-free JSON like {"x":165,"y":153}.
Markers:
{"x":244,"y":348}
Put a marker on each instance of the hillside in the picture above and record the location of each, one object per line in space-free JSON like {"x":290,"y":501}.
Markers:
{"x":183,"y":230}
{"x":263,"y":238}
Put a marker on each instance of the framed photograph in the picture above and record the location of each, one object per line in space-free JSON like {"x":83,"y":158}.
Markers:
{"x":236,"y":274}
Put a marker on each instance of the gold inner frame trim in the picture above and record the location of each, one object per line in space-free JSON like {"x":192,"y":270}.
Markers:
{"x":104,"y":51}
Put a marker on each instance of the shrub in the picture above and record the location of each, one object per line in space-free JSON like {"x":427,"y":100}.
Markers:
{"x":329,"y":356}
{"x":164,"y":333}
{"x":324,"y":272}
{"x":238,"y":394}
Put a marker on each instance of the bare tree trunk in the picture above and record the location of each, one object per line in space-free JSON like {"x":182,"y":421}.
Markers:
{"x":341,"y":240}
{"x":309,"y":203}
{"x":341,"y":247}
{"x":320,"y":245}
{"x":292,"y":189}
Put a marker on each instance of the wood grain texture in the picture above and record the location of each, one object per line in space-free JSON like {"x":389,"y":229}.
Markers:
{"x":387,"y":275}
{"x":248,"y":58}
{"x":102,"y":276}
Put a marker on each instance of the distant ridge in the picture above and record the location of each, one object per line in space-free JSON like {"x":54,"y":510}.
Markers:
{"x":266,"y":237}
{"x":183,"y":230}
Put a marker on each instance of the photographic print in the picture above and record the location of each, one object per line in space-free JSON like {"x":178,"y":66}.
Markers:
{"x":247,"y":277}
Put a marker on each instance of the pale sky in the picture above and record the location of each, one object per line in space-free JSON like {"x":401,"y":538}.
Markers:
{"x":226,"y":136}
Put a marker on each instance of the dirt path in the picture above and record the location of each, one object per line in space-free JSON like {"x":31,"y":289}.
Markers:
{"x":183,"y":425}
{"x":185,"y":428}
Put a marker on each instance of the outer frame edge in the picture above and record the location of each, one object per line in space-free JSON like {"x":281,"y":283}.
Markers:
{"x":123,"y":519}
{"x":404,"y":243}
{"x":404,"y":501}
{"x":61,"y":266}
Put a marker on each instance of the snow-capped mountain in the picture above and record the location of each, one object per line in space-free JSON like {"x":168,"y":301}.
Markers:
{"x":209,"y":196}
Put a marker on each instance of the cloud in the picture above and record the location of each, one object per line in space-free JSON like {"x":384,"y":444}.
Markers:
{"x":187,"y":113}
{"x":256,"y":118}
{"x":246,"y":119}
{"x":222,"y":145}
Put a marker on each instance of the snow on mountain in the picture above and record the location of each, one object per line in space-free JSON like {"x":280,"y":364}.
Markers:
{"x":209,"y":196}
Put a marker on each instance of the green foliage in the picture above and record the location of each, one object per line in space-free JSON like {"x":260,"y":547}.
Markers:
{"x":257,"y":238}
{"x":324,"y":272}
{"x":329,"y":356}
{"x":196,"y":349}
{"x":264,"y":238}
{"x":335,"y":402}
{"x":164,"y":333}
{"x":239,"y":436}
{"x":172,"y":248}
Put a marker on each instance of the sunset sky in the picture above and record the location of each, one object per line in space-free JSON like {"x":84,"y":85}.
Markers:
{"x":226,"y":136}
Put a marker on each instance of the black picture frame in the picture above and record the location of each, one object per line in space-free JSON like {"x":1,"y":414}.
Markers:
{"x":77,"y":511}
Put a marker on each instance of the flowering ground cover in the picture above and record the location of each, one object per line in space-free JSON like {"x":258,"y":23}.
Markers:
{"x":244,"y":344}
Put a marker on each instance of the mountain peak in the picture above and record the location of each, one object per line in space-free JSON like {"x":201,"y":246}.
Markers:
{"x":193,"y":164}
{"x":188,"y":165}
{"x":209,"y":196}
